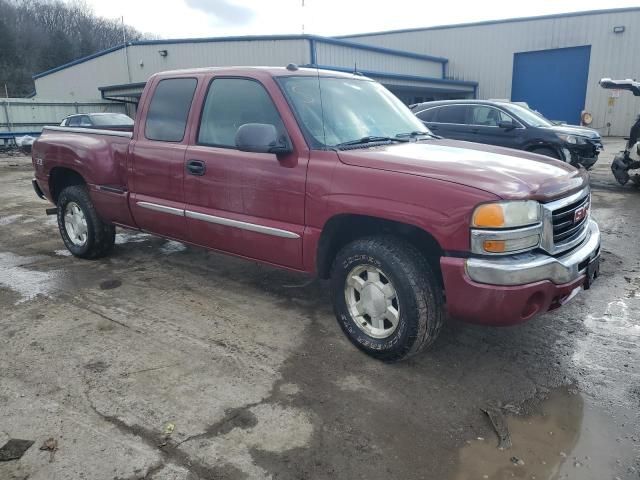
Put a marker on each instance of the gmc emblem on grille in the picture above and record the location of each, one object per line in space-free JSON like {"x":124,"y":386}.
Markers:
{"x":580,"y":214}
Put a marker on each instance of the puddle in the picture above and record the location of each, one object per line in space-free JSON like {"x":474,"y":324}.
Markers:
{"x":569,"y":439}
{"x":27,"y":283}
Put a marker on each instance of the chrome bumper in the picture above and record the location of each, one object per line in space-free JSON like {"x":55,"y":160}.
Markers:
{"x":534,"y":267}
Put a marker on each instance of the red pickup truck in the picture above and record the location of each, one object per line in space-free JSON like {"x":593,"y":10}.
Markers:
{"x":330,"y":174}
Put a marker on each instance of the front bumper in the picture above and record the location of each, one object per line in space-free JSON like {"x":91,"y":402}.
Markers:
{"x":514,"y":289}
{"x":587,"y":155}
{"x":534,"y":267}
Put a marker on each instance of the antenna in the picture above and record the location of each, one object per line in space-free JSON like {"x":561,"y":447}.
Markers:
{"x":126,"y":55}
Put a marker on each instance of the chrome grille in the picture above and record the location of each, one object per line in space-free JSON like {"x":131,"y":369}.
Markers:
{"x":562,"y":230}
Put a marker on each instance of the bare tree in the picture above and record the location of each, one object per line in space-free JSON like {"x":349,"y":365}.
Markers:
{"x":36,"y":35}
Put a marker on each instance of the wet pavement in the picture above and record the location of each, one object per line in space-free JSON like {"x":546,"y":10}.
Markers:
{"x":165,"y":361}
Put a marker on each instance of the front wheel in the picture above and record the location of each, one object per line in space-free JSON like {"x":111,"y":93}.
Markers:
{"x":83,"y":232}
{"x":386,"y":297}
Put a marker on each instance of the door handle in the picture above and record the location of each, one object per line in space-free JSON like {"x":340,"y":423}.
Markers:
{"x":196,"y":167}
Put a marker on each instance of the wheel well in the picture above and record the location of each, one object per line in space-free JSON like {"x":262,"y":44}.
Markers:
{"x":61,"y":178}
{"x":343,"y":229}
{"x":533,"y":148}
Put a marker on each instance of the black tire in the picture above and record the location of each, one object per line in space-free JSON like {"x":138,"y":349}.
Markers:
{"x":101,"y":236}
{"x":547,"y":152}
{"x":419,"y":296}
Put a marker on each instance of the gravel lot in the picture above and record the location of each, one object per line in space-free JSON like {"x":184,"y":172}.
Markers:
{"x":165,"y":361}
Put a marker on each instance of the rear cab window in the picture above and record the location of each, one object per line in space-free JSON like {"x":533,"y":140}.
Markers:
{"x":169,"y":109}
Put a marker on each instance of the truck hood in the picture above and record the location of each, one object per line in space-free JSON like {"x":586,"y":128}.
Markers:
{"x":509,"y":174}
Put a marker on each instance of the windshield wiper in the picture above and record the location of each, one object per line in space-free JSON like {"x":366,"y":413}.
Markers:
{"x":371,"y":139}
{"x":415,"y":133}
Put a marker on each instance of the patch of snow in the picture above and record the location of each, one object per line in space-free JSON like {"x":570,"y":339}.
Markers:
{"x":26,"y":282}
{"x":9,"y":219}
{"x":63,"y":253}
{"x":171,"y":246}
{"x":127,"y":237}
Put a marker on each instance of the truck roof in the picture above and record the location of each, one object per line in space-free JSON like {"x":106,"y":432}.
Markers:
{"x":272,"y":71}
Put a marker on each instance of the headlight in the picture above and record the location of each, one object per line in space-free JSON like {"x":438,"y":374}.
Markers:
{"x":571,"y":139}
{"x":506,"y":227}
{"x":506,"y":214}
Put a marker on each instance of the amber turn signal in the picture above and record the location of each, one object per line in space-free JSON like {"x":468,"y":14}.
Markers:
{"x":490,"y":215}
{"x":494,"y":246}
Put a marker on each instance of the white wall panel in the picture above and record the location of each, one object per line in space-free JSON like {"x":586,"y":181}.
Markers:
{"x":484,"y":53}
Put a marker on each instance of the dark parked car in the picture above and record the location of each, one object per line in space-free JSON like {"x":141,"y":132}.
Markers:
{"x":510,"y":125}
{"x":104,"y":121}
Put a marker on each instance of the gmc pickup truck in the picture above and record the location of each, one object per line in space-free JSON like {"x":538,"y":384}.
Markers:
{"x":330,"y":174}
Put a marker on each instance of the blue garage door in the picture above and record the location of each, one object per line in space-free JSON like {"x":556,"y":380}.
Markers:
{"x":554,"y":82}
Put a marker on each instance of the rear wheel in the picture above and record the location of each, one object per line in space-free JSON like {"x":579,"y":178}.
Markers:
{"x":83,"y":232}
{"x":386,"y":298}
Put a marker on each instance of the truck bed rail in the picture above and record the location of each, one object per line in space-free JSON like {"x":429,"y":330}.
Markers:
{"x":114,"y":133}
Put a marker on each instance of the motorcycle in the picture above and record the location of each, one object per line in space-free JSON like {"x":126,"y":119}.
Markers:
{"x":629,"y":158}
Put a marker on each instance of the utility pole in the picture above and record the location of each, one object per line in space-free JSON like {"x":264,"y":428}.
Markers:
{"x":126,"y":54}
{"x":302,"y":10}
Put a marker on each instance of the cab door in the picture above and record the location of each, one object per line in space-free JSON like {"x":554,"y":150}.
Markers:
{"x":250,"y":204}
{"x":157,"y":167}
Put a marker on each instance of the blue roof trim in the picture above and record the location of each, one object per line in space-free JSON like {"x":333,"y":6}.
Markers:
{"x":77,"y":61}
{"x":251,"y":38}
{"x":398,"y":76}
{"x":494,"y":22}
{"x":371,"y":48}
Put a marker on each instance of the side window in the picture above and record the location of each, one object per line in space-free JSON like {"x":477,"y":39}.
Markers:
{"x":453,"y":114}
{"x":169,"y":109}
{"x":73,"y":121}
{"x":488,"y":116}
{"x":230,"y":103}
{"x":428,"y":115}
{"x":85,"y":122}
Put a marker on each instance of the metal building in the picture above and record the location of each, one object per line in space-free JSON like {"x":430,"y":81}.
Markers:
{"x":551,"y":62}
{"x":119,"y":74}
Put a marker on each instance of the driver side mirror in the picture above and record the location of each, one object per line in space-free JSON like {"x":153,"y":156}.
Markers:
{"x":507,"y":125}
{"x":261,"y":138}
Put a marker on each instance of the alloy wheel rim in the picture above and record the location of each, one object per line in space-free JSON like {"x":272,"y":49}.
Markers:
{"x":75,"y":224}
{"x":372,"y":301}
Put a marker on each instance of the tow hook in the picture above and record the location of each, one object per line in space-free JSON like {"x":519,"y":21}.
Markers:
{"x":52,"y":211}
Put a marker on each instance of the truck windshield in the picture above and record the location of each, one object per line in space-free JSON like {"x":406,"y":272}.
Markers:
{"x":337,"y":111}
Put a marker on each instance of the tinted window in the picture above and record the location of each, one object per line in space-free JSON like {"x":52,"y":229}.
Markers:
{"x":428,"y":115}
{"x":230,"y":103}
{"x":453,"y":114}
{"x":85,"y":122}
{"x":73,"y":121}
{"x":169,"y":109}
{"x":488,"y":116}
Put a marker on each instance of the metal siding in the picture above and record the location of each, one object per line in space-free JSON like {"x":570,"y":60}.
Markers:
{"x":31,"y":115}
{"x":216,"y":54}
{"x":484,"y":53}
{"x":80,"y":82}
{"x":348,"y":57}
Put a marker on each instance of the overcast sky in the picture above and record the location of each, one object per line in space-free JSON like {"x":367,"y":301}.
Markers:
{"x":211,"y":18}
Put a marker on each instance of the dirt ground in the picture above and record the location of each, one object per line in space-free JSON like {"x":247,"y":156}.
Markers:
{"x":168,"y":362}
